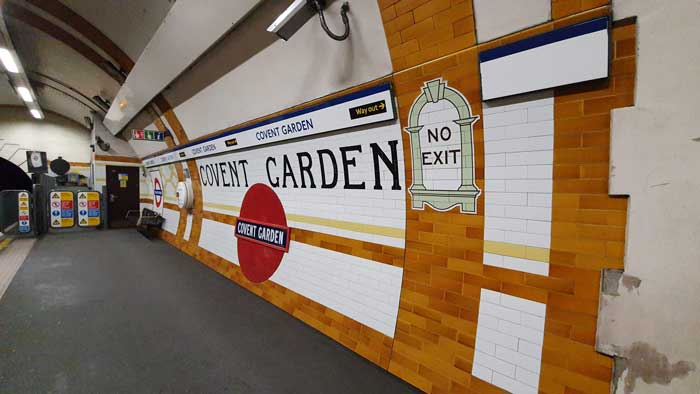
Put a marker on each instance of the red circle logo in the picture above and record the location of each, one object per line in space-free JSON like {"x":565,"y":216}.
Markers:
{"x":157,"y":191}
{"x":262,"y":233}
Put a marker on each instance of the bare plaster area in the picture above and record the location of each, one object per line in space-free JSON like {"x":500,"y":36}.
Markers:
{"x":650,"y":320}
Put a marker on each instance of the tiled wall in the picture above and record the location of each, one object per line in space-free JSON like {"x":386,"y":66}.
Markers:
{"x":377,"y":216}
{"x":519,"y":153}
{"x":509,"y":336}
{"x":463,"y":321}
{"x":419,"y":31}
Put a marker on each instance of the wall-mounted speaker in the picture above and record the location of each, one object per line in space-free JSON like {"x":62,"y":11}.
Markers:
{"x":185,"y":197}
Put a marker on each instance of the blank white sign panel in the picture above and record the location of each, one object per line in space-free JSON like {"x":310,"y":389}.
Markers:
{"x":564,"y":56}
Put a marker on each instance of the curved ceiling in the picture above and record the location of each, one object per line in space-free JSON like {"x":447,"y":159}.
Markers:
{"x":72,"y":50}
{"x":130,"y":24}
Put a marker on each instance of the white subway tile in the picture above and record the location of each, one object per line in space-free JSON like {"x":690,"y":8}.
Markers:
{"x":524,"y":305}
{"x":482,"y":372}
{"x":498,"y":337}
{"x":532,"y":213}
{"x":505,"y":118}
{"x":491,"y":296}
{"x":528,"y":185}
{"x":539,"y":227}
{"x":531,"y":364}
{"x":496,"y":185}
{"x":485,"y":346}
{"x":529,"y":378}
{"x":532,"y":321}
{"x":495,"y":260}
{"x":507,"y":198}
{"x":488,"y":321}
{"x":536,"y":114}
{"x":521,"y":332}
{"x":529,"y":158}
{"x":511,"y":385}
{"x":494,"y":133}
{"x":506,"y":224}
{"x":500,"y":312}
{"x":496,"y":159}
{"x":494,"y":235}
{"x":498,"y":211}
{"x":529,"y":349}
{"x":494,"y":364}
{"x":543,"y":171}
{"x":524,"y":265}
{"x":531,"y":129}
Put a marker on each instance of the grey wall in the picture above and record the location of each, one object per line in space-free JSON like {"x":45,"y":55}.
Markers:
{"x":252,"y":73}
{"x":653,"y":323}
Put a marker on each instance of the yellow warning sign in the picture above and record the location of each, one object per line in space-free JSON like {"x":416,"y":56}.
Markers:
{"x":23,"y":204}
{"x":83,"y":221}
{"x":56,"y":222}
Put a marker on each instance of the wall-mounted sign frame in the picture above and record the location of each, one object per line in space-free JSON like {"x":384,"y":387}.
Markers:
{"x":61,"y":209}
{"x":371,"y":105}
{"x":158,"y":191}
{"x":446,"y":145}
{"x":148,"y":135}
{"x":23,"y":212}
{"x":37,"y":163}
{"x":89,"y":212}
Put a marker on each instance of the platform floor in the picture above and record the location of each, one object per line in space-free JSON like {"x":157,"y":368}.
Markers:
{"x":111,"y":312}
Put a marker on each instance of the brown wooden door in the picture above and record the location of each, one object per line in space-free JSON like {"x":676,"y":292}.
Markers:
{"x":122,"y":194}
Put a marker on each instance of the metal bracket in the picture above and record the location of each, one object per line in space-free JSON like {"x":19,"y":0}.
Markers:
{"x":319,"y":5}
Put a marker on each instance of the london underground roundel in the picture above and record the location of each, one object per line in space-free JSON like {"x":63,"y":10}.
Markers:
{"x":157,"y":192}
{"x":262,"y":233}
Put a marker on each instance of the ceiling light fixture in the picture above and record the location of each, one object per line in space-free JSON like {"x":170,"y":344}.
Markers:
{"x":35,"y":113}
{"x":25,"y":94}
{"x":291,"y":20}
{"x":8,"y":61}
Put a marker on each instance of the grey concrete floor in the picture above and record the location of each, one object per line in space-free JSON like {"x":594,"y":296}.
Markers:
{"x":111,"y":312}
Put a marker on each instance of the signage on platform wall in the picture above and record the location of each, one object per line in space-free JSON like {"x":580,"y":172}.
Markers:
{"x":61,"y":208}
{"x":346,"y":184}
{"x":440,"y":125}
{"x":147,"y":135}
{"x":158,"y":191}
{"x":88,"y":209}
{"x":262,"y":233}
{"x":371,"y":105}
{"x":23,"y":212}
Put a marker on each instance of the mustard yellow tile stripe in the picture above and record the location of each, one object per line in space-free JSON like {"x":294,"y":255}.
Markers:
{"x":225,"y":207}
{"x":519,"y":251}
{"x":339,"y":224}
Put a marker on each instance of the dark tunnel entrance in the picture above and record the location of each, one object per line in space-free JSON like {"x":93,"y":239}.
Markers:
{"x":13,"y":177}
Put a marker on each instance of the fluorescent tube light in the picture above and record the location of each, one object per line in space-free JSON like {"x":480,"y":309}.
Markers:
{"x":288,"y":14}
{"x":35,"y":113}
{"x":8,"y":61}
{"x":24,"y":93}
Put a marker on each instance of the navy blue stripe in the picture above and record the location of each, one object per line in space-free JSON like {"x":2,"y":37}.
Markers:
{"x":550,"y":37}
{"x":338,"y":100}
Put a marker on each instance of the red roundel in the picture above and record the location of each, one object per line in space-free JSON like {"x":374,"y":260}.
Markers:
{"x":157,"y":191}
{"x":262,"y":233}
